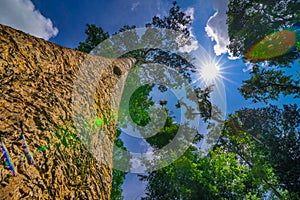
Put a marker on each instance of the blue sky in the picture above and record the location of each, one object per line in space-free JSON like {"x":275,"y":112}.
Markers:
{"x":64,"y":22}
{"x":70,"y":17}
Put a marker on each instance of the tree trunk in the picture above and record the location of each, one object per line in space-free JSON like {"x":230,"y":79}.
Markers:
{"x":37,"y":84}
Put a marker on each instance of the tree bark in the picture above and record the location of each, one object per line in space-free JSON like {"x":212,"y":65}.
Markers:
{"x":37,"y":100}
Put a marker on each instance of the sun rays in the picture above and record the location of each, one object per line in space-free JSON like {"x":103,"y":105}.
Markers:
{"x":210,"y":69}
{"x":215,"y":73}
{"x":209,"y":72}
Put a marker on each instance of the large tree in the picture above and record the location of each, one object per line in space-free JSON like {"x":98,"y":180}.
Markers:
{"x":127,"y":39}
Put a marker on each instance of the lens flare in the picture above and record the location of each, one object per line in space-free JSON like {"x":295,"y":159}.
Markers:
{"x":274,"y":45}
{"x":8,"y":160}
{"x":27,"y":150}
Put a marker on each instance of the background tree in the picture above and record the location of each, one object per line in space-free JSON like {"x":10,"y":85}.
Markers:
{"x":278,"y":138}
{"x":248,"y":23}
{"x":234,"y":169}
{"x":269,"y":84}
{"x":95,"y":35}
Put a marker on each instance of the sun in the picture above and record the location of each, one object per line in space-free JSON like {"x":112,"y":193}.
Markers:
{"x":209,"y":69}
{"x":209,"y":72}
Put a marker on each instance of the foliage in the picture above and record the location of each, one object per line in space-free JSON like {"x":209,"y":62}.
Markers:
{"x":177,"y":21}
{"x":217,"y":176}
{"x":95,"y":35}
{"x":254,"y":158}
{"x":164,"y":136}
{"x":250,"y":22}
{"x":277,"y":137}
{"x":139,"y":105}
{"x":268,"y":84}
{"x":161,"y":32}
{"x":236,"y":140}
{"x":118,"y":176}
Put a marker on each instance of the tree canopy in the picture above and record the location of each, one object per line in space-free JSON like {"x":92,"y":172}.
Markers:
{"x":249,"y":21}
{"x":256,"y":31}
{"x":253,"y":159}
{"x":95,"y":35}
{"x":127,"y":39}
{"x":278,"y":138}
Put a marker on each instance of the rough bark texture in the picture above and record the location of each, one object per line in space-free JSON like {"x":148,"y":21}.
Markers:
{"x":37,"y":81}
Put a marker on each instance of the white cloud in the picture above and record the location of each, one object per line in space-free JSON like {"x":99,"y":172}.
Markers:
{"x":137,"y":161}
{"x":216,"y":27}
{"x":188,"y":48}
{"x":135,"y":5}
{"x":231,"y":57}
{"x":162,"y":8}
{"x":249,"y":66}
{"x":22,"y":15}
{"x":190,"y":12}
